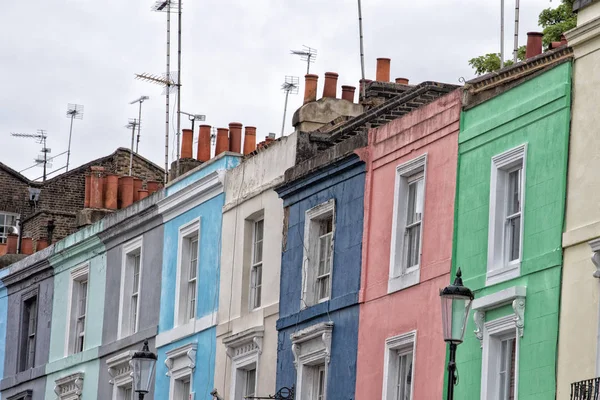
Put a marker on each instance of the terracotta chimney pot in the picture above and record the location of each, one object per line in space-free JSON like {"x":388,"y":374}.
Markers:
{"x":11,"y":243}
{"x":96,"y":187}
{"x":111,"y":189}
{"x":27,"y":245}
{"x":125,"y":191}
{"x":86,"y":202}
{"x":204,"y":143}
{"x":222,"y":141}
{"x":402,"y":81}
{"x":534,"y":44}
{"x":383,"y":69}
{"x":348,"y":93}
{"x":152,"y":186}
{"x":2,"y":249}
{"x":249,"y":139}
{"x":142,"y":194}
{"x":235,"y":137}
{"x":41,"y":244}
{"x":187,"y":143}
{"x":330,"y":87}
{"x":310,"y":87}
{"x":137,"y":185}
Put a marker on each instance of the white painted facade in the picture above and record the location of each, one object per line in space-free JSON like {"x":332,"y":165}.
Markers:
{"x":578,"y":349}
{"x":246,"y":336}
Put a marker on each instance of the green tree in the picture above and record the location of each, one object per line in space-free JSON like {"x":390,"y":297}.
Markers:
{"x":554,"y":21}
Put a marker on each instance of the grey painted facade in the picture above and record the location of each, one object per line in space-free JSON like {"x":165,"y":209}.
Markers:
{"x":32,"y":276}
{"x":146,"y":225}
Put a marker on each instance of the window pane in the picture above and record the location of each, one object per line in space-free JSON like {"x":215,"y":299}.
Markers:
{"x":323,"y":287}
{"x":258,"y":230}
{"x":193,"y":267}
{"x":514,"y":191}
{"x":256,"y":285}
{"x":321,"y":383}
{"x":514,"y":238}
{"x":192,"y":299}
{"x":413,"y":242}
{"x":324,"y":254}
{"x":250,"y":383}
{"x":133,"y":313}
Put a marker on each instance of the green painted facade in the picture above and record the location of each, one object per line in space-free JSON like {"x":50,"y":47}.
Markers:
{"x":536,"y":112}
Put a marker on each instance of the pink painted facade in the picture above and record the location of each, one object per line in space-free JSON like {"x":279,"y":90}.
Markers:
{"x":432,"y":129}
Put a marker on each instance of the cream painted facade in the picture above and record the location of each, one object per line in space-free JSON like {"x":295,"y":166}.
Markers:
{"x":246,"y":336}
{"x":578,"y":350}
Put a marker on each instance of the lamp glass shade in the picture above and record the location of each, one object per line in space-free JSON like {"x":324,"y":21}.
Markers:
{"x":143,"y":364}
{"x":455,"y":312}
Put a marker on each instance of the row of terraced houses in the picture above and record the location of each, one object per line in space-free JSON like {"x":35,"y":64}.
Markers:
{"x":310,"y":266}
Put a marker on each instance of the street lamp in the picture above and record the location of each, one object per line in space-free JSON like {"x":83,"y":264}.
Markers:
{"x":143,"y":364}
{"x":456,"y":305}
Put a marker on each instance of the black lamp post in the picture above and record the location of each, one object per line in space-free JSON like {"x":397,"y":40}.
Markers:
{"x":143,"y":364}
{"x":456,"y":305}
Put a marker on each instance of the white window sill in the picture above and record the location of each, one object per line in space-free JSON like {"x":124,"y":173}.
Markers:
{"x":182,"y":331}
{"x":509,"y":271}
{"x":406,"y":280}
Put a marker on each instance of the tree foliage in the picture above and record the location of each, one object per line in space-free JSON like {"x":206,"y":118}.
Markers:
{"x":554,"y":21}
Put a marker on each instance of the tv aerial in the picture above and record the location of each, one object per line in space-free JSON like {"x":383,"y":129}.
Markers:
{"x":290,"y":85}
{"x":307,"y":54}
{"x":40,"y":138}
{"x":74,"y":111}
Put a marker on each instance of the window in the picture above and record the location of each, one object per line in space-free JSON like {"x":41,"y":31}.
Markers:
{"x":182,"y":389}
{"x":187,"y":273}
{"x":257,"y":264}
{"x":131,"y":273}
{"x":312,"y":348}
{"x":250,"y":383}
{"x":28,"y":332}
{"x":244,"y":349}
{"x":119,"y":370}
{"x":319,"y":386}
{"x":25,"y":395}
{"x":7,"y":221}
{"x":500,"y":359}
{"x":126,"y":393}
{"x":77,"y":312}
{"x":319,"y":231}
{"x":407,"y":224}
{"x":398,"y":367}
{"x":506,"y":215}
{"x":180,"y":363}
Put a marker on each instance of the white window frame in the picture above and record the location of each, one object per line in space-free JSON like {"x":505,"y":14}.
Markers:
{"x":493,"y":332}
{"x":244,"y":350}
{"x":310,"y":259}
{"x":4,"y":235}
{"x":399,"y":276}
{"x":181,"y":363}
{"x":498,"y":268}
{"x":254,"y":266}
{"x":186,"y":232}
{"x":25,"y":338}
{"x":70,"y":387}
{"x":129,"y":250}
{"x":311,"y":348}
{"x":393,"y":345}
{"x":78,"y":275}
{"x":119,"y":368}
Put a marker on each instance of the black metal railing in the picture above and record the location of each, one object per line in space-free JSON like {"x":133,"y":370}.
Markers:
{"x":586,"y":390}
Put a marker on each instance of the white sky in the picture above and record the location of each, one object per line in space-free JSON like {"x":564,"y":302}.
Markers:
{"x":235,"y":57}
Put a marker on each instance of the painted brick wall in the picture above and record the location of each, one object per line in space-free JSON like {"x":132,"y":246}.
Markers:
{"x":536,"y":112}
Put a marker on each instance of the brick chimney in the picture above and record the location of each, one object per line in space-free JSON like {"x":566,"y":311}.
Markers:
{"x":310,"y":88}
{"x":330,"y":87}
{"x":402,"y":81}
{"x":204,"y":143}
{"x":235,"y":137}
{"x":534,"y":44}
{"x":249,"y":139}
{"x":348,"y":93}
{"x":222,"y":141}
{"x":187,"y":143}
{"x":383,"y":69}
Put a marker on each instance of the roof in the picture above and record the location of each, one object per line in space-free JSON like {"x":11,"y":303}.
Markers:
{"x":579,"y":4}
{"x":14,"y":173}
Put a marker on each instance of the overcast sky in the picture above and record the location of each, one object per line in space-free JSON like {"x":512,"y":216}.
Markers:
{"x":236,"y":54}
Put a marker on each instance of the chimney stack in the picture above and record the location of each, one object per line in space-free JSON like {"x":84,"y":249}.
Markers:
{"x":204,"y":143}
{"x":222,"y":141}
{"x":330,"y":87}
{"x":348,"y":93}
{"x":402,"y":81}
{"x":383,"y":70}
{"x":534,"y":44}
{"x":41,"y":244}
{"x":137,"y":185}
{"x":235,"y":137}
{"x":310,"y":87}
{"x":249,"y":140}
{"x":86,"y":201}
{"x":187,"y":143}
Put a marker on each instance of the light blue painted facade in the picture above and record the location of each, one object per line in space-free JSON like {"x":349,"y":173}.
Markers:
{"x":197,"y":196}
{"x":3,"y":320}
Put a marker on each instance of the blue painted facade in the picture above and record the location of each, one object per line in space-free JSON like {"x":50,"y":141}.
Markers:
{"x":3,"y":320}
{"x":344,"y":182}
{"x":205,"y":204}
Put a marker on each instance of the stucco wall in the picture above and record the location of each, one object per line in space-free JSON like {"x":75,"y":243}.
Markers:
{"x":90,"y":372}
{"x":343,"y":181}
{"x":432,"y":129}
{"x":248,"y":193}
{"x":536,"y":112}
{"x":578,"y":342}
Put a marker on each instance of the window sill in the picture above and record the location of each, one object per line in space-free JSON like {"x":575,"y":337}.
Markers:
{"x":509,"y":271}
{"x":22,"y":377}
{"x":182,"y":331}
{"x":404,"y":281}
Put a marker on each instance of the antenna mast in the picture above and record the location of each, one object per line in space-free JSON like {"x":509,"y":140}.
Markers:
{"x":40,"y":137}
{"x":307,"y":54}
{"x":133,"y":123}
{"x":140,"y":100}
{"x":74,"y":111}
{"x":194,"y":117}
{"x":289,"y":86}
{"x":516,"y":50}
{"x":362,"y":50}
